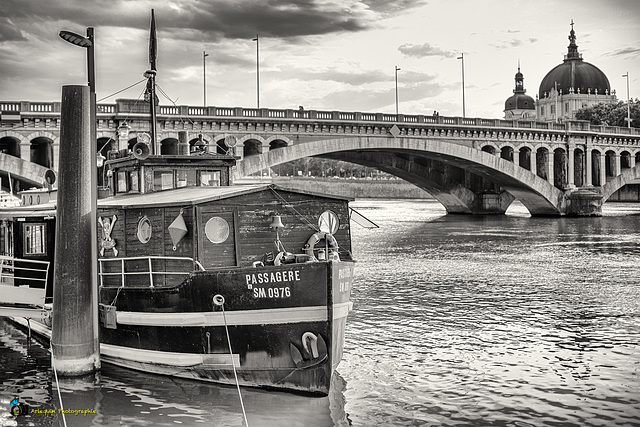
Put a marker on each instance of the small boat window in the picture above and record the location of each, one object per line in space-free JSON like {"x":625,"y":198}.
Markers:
{"x":328,"y":222}
{"x":144,"y":229}
{"x":210,"y":178}
{"x":186,"y":178}
{"x":35,"y":236}
{"x":217,"y":230}
{"x":162,"y":180}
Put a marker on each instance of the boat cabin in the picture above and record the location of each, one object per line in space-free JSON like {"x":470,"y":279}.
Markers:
{"x":170,"y":215}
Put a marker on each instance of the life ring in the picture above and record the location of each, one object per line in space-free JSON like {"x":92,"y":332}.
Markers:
{"x":315,"y":238}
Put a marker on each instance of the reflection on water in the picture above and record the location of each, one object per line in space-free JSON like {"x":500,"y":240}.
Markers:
{"x":499,"y":320}
{"x":124,"y":397}
{"x":494,"y":320}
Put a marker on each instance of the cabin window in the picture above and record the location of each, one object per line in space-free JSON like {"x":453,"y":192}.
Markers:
{"x":186,"y":178}
{"x":210,"y":178}
{"x":7,"y":237}
{"x":162,"y":180}
{"x":133,"y":181}
{"x":35,"y":236}
{"x":122,"y":182}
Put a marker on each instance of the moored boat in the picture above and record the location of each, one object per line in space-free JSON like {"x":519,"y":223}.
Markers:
{"x":198,"y":278}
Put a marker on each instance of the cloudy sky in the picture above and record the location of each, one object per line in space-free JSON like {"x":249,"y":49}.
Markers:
{"x":321,"y":54}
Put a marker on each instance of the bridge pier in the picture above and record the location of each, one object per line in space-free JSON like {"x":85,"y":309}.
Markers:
{"x":492,"y":203}
{"x":583,"y":201}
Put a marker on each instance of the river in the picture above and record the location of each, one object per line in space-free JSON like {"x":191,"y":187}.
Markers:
{"x":457,"y":321}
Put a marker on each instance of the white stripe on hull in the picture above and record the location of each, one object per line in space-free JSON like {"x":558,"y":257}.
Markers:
{"x":166,"y":357}
{"x":236,"y":318}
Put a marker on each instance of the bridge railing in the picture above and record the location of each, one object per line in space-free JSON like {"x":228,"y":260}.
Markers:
{"x":128,"y":106}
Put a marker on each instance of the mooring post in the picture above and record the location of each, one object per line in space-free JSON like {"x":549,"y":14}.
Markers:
{"x":74,"y":337}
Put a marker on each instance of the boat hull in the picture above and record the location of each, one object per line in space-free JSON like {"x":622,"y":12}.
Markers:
{"x":279,"y":327}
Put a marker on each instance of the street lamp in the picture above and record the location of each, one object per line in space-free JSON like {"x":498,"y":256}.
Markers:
{"x":463,"y":106}
{"x":257,"y":40}
{"x":397,"y":69}
{"x":204,"y":76}
{"x":628,"y":101}
{"x":88,"y":43}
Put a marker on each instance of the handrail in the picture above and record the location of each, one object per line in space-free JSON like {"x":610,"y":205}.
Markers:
{"x":124,"y":261}
{"x":18,"y":278}
{"x":8,"y":263}
{"x":123,"y":106}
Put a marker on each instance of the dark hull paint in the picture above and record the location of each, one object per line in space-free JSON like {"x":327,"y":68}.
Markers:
{"x":285,"y":324}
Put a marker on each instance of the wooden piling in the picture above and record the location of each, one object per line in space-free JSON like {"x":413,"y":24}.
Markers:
{"x":74,"y":337}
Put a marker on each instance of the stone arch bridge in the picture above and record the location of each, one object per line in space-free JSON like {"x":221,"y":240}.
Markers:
{"x":470,"y":165}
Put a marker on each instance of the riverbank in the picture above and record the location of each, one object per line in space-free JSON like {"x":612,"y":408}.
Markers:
{"x":355,"y":188}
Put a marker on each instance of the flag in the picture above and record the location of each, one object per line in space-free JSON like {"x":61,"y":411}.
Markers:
{"x":153,"y":43}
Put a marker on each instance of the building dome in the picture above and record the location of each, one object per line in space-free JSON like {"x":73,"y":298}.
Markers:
{"x":519,"y":102}
{"x":574,"y":75}
{"x":519,"y":105}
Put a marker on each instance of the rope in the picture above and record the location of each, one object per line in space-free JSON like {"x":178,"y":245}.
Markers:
{"x":55,"y":373}
{"x":163,"y":93}
{"x":219,"y":301}
{"x":295,"y":211}
{"x":120,"y":91}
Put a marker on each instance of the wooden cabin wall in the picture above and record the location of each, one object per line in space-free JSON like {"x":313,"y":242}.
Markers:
{"x":124,"y":232}
{"x":255,"y":212}
{"x":250,"y":238}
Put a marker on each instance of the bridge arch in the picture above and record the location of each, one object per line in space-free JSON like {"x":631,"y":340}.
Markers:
{"x":490,"y":148}
{"x":620,"y":181}
{"x":506,"y":152}
{"x":560,"y":168}
{"x":539,"y":196}
{"x":524,"y":157}
{"x":10,"y":145}
{"x":41,"y":151}
{"x":278,"y":142}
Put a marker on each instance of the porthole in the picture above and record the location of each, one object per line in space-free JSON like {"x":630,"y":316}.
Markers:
{"x":144,"y":229}
{"x":328,"y":222}
{"x":217,"y":230}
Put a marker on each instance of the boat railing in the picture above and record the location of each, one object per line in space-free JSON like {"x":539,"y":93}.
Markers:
{"x":145,"y":271}
{"x":25,"y":270}
{"x":27,"y":278}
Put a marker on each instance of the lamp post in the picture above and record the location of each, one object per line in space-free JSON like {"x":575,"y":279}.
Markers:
{"x":257,"y":40}
{"x":204,"y":76}
{"x":83,"y":358}
{"x":463,"y":102}
{"x":397,"y":69}
{"x":628,"y":101}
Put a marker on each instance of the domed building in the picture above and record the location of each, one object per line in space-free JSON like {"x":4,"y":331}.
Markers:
{"x":570,"y":86}
{"x":519,"y":106}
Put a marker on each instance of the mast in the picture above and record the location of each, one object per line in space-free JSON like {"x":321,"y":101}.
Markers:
{"x":151,"y":81}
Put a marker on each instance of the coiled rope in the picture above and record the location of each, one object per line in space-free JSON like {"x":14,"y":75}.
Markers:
{"x":219,"y":301}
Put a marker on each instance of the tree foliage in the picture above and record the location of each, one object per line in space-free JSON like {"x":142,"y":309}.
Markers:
{"x":611,"y":114}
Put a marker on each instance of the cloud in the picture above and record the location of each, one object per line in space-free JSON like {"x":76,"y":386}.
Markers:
{"x":392,"y":7}
{"x":425,"y":49}
{"x":631,"y":52}
{"x":204,"y":18}
{"x":9,"y":32}
{"x":514,"y":43}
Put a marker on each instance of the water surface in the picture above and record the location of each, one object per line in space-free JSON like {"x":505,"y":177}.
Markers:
{"x":457,"y":321}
